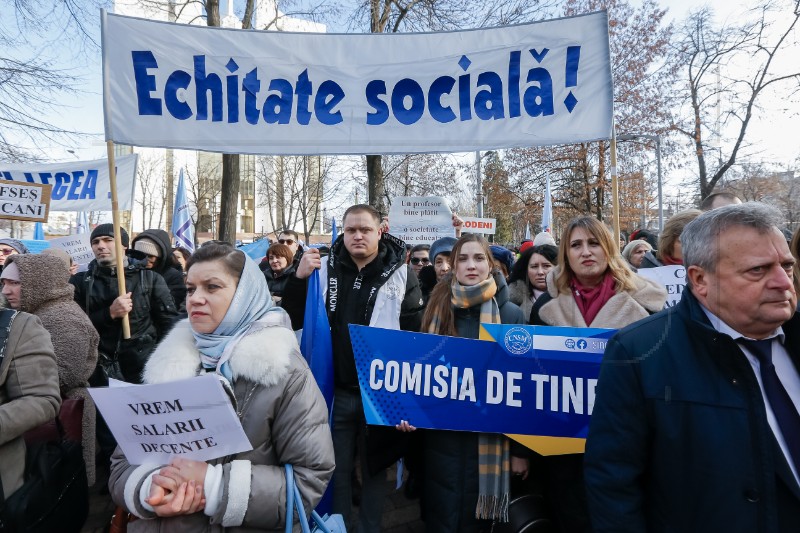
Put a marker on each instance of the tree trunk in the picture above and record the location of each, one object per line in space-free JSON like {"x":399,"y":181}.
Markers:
{"x":230,"y":164}
{"x":229,"y":197}
{"x":376,"y":188}
{"x":375,"y":182}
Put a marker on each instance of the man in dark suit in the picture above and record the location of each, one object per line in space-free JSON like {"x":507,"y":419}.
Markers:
{"x":695,"y":425}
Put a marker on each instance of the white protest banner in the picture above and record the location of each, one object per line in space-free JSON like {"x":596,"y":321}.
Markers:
{"x":479,"y":225}
{"x":420,"y":219}
{"x":24,"y":201}
{"x":191,"y":418}
{"x":264,"y":92}
{"x":672,"y":278}
{"x":78,"y":247}
{"x":79,"y":185}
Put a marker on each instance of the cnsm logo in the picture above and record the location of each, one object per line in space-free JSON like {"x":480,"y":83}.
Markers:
{"x":518,"y":341}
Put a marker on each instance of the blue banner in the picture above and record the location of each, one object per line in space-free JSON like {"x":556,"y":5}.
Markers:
{"x":534,"y":380}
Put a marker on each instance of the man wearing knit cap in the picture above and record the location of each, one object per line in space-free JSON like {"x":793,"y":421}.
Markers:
{"x":147,"y":303}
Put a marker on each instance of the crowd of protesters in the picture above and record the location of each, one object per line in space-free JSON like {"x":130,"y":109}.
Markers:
{"x":695,"y":425}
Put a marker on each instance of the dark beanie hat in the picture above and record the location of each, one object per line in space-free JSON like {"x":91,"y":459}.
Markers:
{"x":107,"y":230}
{"x":503,"y":255}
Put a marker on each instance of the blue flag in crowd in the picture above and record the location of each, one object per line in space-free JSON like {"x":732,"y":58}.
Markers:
{"x":38,"y":232}
{"x":256,"y":250}
{"x":316,"y":343}
{"x":82,"y":225}
{"x":334,"y":233}
{"x":182,"y":227}
{"x":317,"y":348}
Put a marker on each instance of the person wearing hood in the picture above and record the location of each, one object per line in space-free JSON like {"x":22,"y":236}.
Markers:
{"x":236,"y":333}
{"x":365,"y":281}
{"x":39,"y":285}
{"x":457,"y":497}
{"x":153,"y":246}
{"x":592,"y":286}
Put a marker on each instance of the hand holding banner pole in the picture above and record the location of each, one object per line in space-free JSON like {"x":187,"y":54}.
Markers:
{"x":119,"y":252}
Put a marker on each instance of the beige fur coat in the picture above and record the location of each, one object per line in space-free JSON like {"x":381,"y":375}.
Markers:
{"x":622,"y":309}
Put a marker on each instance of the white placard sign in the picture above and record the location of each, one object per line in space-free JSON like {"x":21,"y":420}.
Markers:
{"x":274,"y":92}
{"x":24,"y":201}
{"x":79,"y":185}
{"x":78,"y":247}
{"x":191,"y":418}
{"x":420,"y":219}
{"x":672,"y":278}
{"x":486,"y":226}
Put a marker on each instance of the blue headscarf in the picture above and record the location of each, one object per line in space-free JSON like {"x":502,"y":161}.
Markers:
{"x":250,"y":304}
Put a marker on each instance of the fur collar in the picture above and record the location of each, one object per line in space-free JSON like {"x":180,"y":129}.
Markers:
{"x":262,"y":356}
{"x":622,"y":309}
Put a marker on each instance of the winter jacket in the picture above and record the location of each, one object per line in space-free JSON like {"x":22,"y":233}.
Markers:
{"x":353,"y":307}
{"x":152,"y":316}
{"x":47,"y":294}
{"x":679,"y":438}
{"x":451,"y":457}
{"x":165,"y":265}
{"x":562,"y":475}
{"x":396,"y":305}
{"x":283,"y":415}
{"x":277,"y":284}
{"x":29,"y":394}
{"x":519,"y":292}
{"x":650,"y":260}
{"x":558,"y":309}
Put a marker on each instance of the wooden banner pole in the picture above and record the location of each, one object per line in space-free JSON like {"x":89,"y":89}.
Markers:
{"x":119,"y":251}
{"x":614,"y":185}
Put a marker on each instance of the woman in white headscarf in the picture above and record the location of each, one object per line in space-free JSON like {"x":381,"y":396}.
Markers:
{"x":235,"y":331}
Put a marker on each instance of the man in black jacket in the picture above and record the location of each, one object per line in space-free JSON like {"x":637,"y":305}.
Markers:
{"x":695,"y":424}
{"x":366,"y":281}
{"x":151,"y":313}
{"x":148,"y":304}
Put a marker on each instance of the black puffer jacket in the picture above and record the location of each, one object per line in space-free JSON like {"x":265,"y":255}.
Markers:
{"x":152,"y":316}
{"x":277,"y":284}
{"x":451,"y":457}
{"x":650,"y":260}
{"x":165,"y":265}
